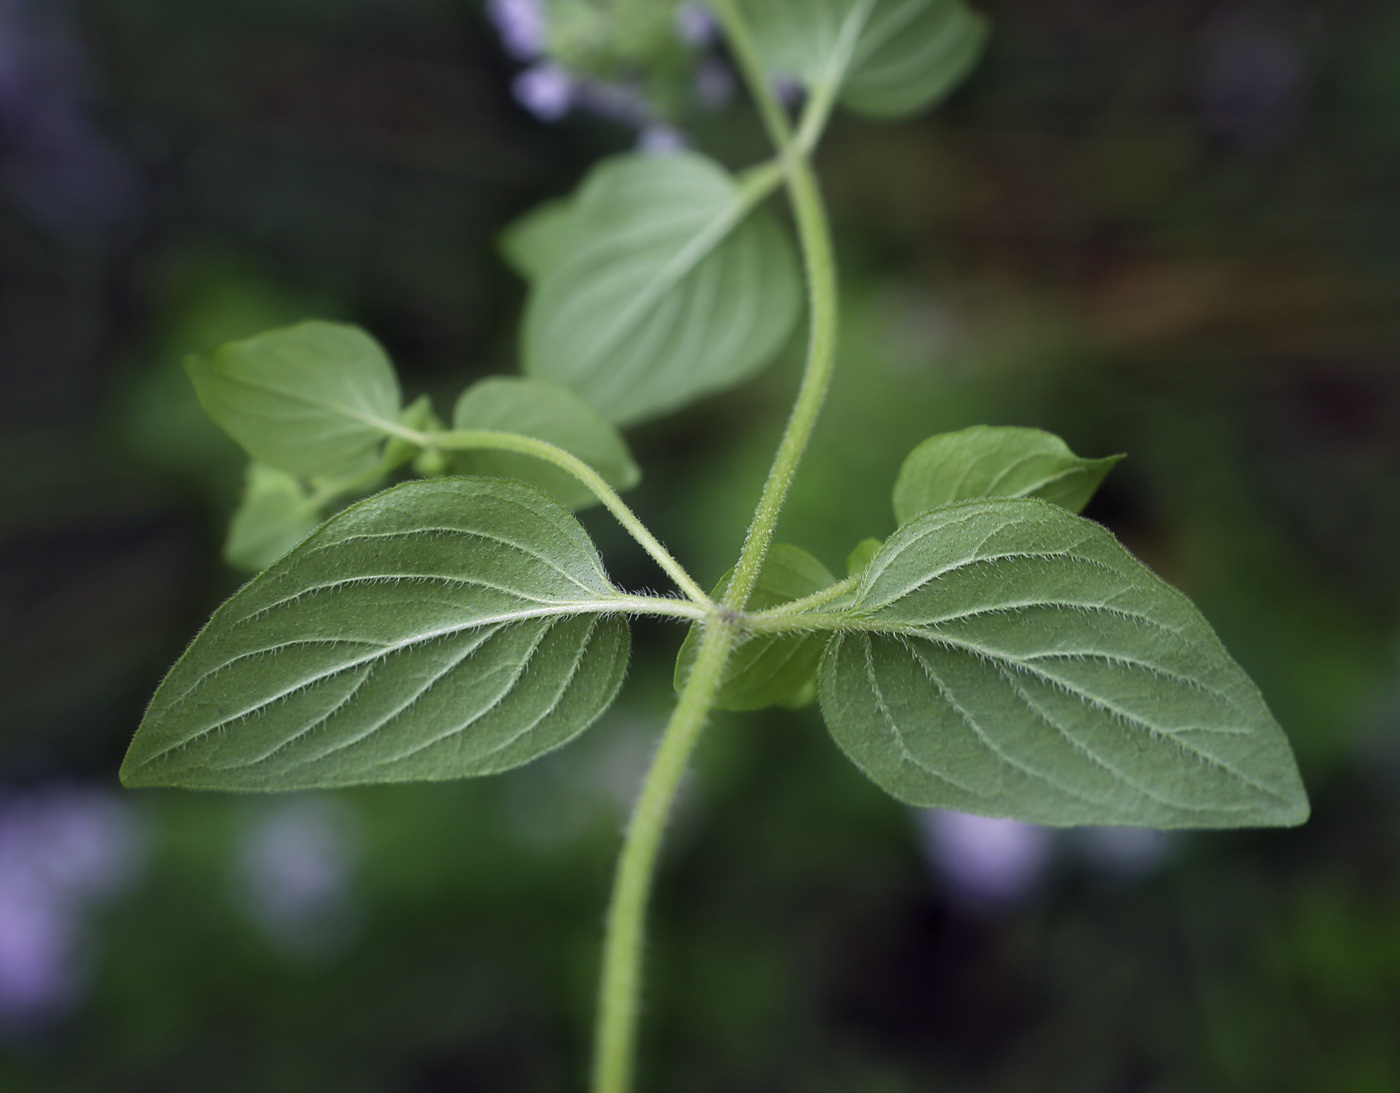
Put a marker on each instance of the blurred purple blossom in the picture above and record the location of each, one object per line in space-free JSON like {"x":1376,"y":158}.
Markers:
{"x":295,"y":866}
{"x":522,"y":26}
{"x":546,"y":90}
{"x":985,"y":861}
{"x":714,"y":83}
{"x":62,"y":850}
{"x":1125,"y":851}
{"x":53,"y":161}
{"x":695,"y":24}
{"x":1252,"y":80}
{"x":661,"y":140}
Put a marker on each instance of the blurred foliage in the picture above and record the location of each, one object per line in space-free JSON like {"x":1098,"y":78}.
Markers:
{"x":1164,"y":228}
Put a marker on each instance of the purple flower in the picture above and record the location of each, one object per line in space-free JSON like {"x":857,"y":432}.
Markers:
{"x":294,"y":870}
{"x":985,"y":861}
{"x":695,"y":24}
{"x":61,"y":850}
{"x":546,"y":90}
{"x":522,"y":26}
{"x":660,"y":140}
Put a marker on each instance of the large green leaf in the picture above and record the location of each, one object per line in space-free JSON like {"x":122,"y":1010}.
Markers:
{"x":988,"y":461}
{"x":309,"y":399}
{"x":907,"y":54}
{"x":277,"y":513}
{"x":1009,"y":658}
{"x":768,"y":669}
{"x":668,"y":285}
{"x":549,"y":412}
{"x":442,"y":628}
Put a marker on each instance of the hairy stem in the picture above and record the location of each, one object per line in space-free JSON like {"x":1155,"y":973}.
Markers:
{"x":815,"y":236}
{"x":615,"y":1044}
{"x":619,"y":987}
{"x":466,"y":439}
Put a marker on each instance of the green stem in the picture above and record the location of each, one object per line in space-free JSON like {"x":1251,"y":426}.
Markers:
{"x":465,"y":439}
{"x":618,"y":990}
{"x":745,"y":51}
{"x":622,"y":950}
{"x":814,"y":234}
{"x":806,"y":603}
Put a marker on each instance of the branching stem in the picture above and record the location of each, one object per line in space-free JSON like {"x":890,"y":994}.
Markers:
{"x":620,"y":982}
{"x":467,"y":439}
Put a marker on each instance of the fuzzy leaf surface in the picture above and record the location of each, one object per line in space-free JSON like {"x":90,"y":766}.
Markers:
{"x":908,"y":54}
{"x":995,"y":461}
{"x":666,"y":287}
{"x":768,"y":669}
{"x":440,"y":629}
{"x":549,"y":412}
{"x":308,"y":399}
{"x":1008,"y":658}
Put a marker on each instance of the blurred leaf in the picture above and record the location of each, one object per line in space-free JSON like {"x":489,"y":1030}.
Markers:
{"x":309,"y":399}
{"x":277,"y":513}
{"x":768,"y":669}
{"x":860,"y":557}
{"x":667,"y":286}
{"x":439,"y":629}
{"x":417,"y":415}
{"x":549,"y":412}
{"x":995,"y":461}
{"x":907,"y":53}
{"x":1014,"y":660}
{"x":531,"y":244}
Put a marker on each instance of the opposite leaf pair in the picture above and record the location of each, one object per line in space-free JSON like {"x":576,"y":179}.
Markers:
{"x":999,"y":655}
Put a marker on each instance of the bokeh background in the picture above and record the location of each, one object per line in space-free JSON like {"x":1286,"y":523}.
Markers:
{"x":1165,"y":227}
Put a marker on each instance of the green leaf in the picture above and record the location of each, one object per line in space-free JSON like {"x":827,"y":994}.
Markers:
{"x":669,"y":286}
{"x":768,"y":669}
{"x":531,"y":244}
{"x":1011,"y":659}
{"x":440,"y":629}
{"x":987,"y":461}
{"x":860,"y":557}
{"x":907,"y":54}
{"x":548,"y":412}
{"x":277,"y":513}
{"x":310,"y":399}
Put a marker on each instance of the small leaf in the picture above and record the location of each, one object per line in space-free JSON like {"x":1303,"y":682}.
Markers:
{"x":667,"y":286}
{"x":309,"y":399}
{"x":860,"y":557}
{"x":1011,"y":659}
{"x":277,"y":513}
{"x":768,"y":669}
{"x":548,"y":412}
{"x":987,"y":461}
{"x":440,"y":629}
{"x":417,"y":415}
{"x":531,"y":244}
{"x":908,"y":54}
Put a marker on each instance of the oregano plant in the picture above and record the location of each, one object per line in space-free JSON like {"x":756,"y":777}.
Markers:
{"x":998,"y":654}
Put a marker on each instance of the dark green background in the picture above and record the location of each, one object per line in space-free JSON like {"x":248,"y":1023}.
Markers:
{"x":1136,"y":226}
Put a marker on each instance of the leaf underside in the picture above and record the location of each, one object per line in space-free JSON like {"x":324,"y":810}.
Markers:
{"x":996,"y":461}
{"x":908,"y":54}
{"x":276,"y":513}
{"x":440,"y":629}
{"x":306,"y":399}
{"x":1008,"y":658}
{"x":662,"y":288}
{"x":547,"y":412}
